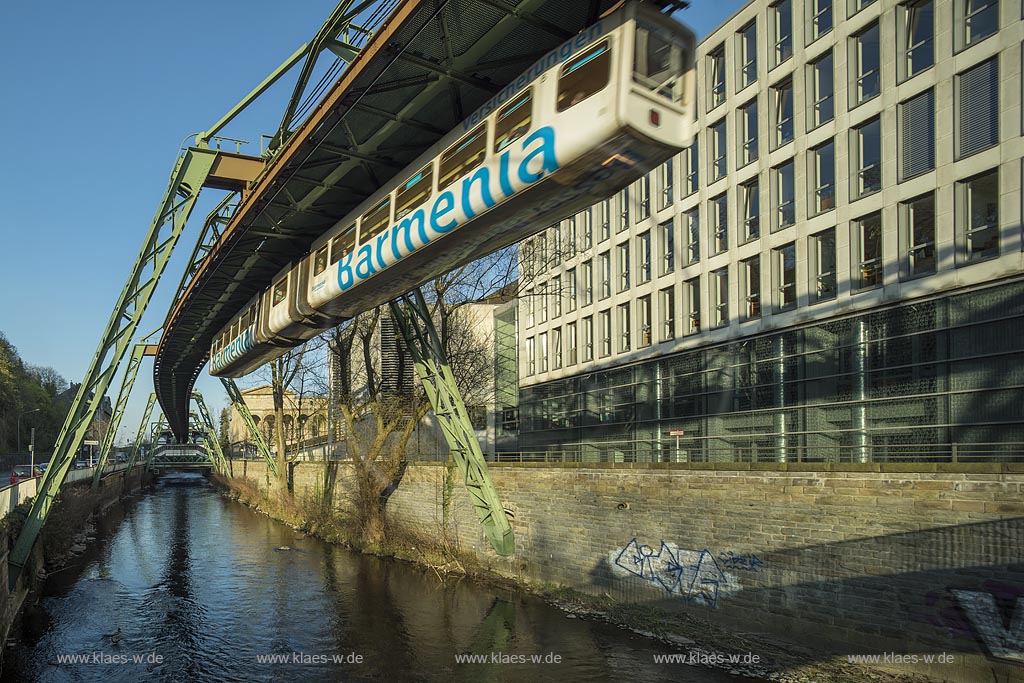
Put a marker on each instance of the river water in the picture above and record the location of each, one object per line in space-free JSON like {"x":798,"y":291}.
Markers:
{"x":200,"y":591}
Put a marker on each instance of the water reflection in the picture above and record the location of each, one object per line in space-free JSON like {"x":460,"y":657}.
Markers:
{"x":200,"y":591}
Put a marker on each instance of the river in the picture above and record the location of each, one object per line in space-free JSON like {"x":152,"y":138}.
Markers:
{"x":183,"y":584}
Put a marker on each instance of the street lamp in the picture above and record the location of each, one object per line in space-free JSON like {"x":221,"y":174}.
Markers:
{"x":34,"y":410}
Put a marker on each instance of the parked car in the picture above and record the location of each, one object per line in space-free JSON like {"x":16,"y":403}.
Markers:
{"x":81,"y":464}
{"x":23,"y":472}
{"x":42,"y":466}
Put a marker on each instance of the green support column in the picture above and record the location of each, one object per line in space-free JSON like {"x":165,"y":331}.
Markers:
{"x":187,"y":178}
{"x":142,"y":432}
{"x":413,"y":318}
{"x":139,"y":351}
{"x":238,"y":401}
{"x":153,"y":438}
{"x":212,"y":440}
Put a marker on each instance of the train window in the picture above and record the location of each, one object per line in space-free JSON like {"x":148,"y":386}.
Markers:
{"x":375,"y":220}
{"x":513,"y":121}
{"x":280,"y":291}
{"x":584,"y":76}
{"x":343,"y":243}
{"x":243,"y":322}
{"x":233,"y":330}
{"x":462,"y":157}
{"x":659,"y":64}
{"x":320,"y":261}
{"x":414,"y":192}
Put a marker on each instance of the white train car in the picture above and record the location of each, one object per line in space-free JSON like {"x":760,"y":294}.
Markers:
{"x":589,"y":118}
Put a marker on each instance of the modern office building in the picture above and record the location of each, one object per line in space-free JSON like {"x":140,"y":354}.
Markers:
{"x":833,"y":271}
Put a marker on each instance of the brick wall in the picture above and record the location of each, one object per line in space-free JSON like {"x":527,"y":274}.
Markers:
{"x":858,"y":558}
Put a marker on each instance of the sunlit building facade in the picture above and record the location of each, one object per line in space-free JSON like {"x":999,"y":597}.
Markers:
{"x":833,"y":271}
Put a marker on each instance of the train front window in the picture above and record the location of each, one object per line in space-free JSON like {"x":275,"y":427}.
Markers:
{"x":320,"y":261}
{"x":414,"y":192}
{"x":375,"y":220}
{"x":585,"y":75}
{"x":660,"y":63}
{"x":342,"y":244}
{"x":280,"y":291}
{"x":513,"y":121}
{"x":462,"y":157}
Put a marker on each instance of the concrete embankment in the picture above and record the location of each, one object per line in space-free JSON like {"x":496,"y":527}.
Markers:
{"x":918,"y":566}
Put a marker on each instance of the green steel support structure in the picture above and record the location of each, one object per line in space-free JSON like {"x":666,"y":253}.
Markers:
{"x":190,"y":172}
{"x":212,"y":440}
{"x":413,"y":317}
{"x":238,"y":401}
{"x":153,"y":438}
{"x":142,"y":432}
{"x":139,"y":351}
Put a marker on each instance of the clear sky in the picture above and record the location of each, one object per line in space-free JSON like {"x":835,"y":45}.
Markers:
{"x":97,"y":99}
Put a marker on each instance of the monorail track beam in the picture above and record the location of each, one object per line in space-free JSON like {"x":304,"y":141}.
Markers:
{"x":412,"y":315}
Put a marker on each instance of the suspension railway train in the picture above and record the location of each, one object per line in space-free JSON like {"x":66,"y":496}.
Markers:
{"x":593,"y":115}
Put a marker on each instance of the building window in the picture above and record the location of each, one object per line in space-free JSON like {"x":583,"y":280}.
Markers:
{"x":917,"y":135}
{"x":746,"y":58}
{"x":720,"y":292}
{"x":556,"y":348}
{"x":781,"y":19}
{"x":605,"y":264}
{"x":624,"y":329}
{"x":542,"y":302}
{"x":668,"y":246}
{"x":782,"y":113}
{"x":719,"y":223}
{"x":556,"y":296}
{"x":643,"y":256}
{"x":531,"y":357}
{"x":823,"y":158}
{"x":690,"y":168}
{"x":606,"y":332}
{"x":784,"y":195}
{"x":691,"y":221}
{"x":665,"y":185}
{"x":822,"y":89}
{"x":978,"y":216}
{"x":623,"y":216}
{"x":918,"y":226}
{"x":587,"y":282}
{"x":867,"y":146}
{"x":542,"y":341}
{"x":644,"y":306}
{"x":750,"y":269}
{"x":692,"y":290}
{"x":747,"y":122}
{"x":785,"y":276}
{"x":866,"y":239}
{"x":585,"y":223}
{"x":555,"y":237}
{"x":571,"y":341}
{"x":823,"y":255}
{"x":977,"y":92}
{"x":717,"y":149}
{"x":604,"y":218}
{"x":820,"y":19}
{"x":979,"y":19}
{"x":570,"y":237}
{"x":570,"y":290}
{"x":716,"y":77}
{"x":531,"y":306}
{"x":623,"y":252}
{"x":858,"y":5}
{"x":667,"y":306}
{"x":750,"y":210}
{"x":916,"y":37}
{"x":588,"y":338}
{"x":865,"y":60}
{"x":643,"y":193}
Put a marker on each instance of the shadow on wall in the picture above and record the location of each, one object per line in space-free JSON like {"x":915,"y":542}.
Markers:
{"x":950,"y":589}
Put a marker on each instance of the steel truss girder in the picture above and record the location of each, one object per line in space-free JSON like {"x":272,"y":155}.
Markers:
{"x":141,"y":433}
{"x":212,"y":440}
{"x":139,"y":351}
{"x":187,"y":178}
{"x":238,"y":401}
{"x":412,"y":315}
{"x":153,"y":438}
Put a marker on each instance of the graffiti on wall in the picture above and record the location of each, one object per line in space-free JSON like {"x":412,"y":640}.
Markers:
{"x":694,"y":575}
{"x":992,"y":614}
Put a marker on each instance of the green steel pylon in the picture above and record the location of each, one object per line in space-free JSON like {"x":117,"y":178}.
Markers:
{"x":139,"y":351}
{"x":238,"y":401}
{"x":142,"y":432}
{"x":413,"y":318}
{"x":153,"y":438}
{"x":212,"y":440}
{"x":187,"y":178}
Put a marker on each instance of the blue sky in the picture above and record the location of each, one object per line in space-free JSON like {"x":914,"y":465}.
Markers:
{"x":97,"y":99}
